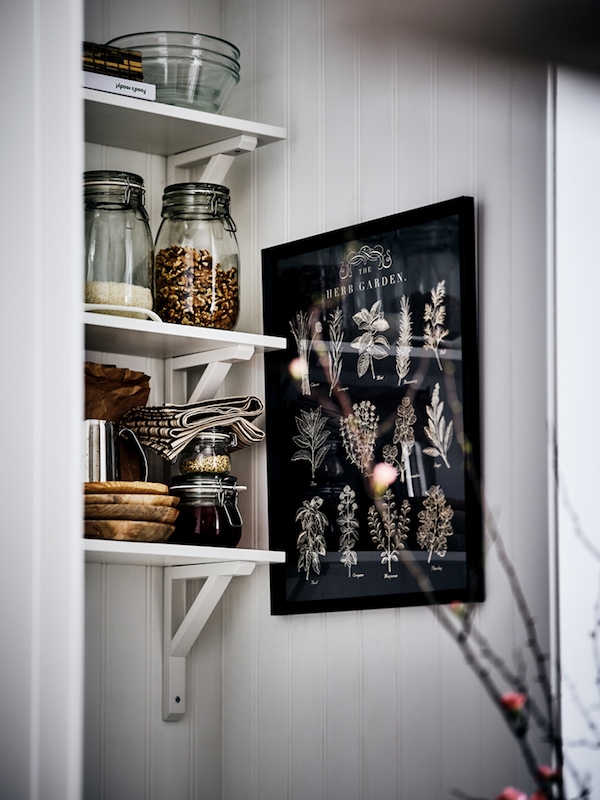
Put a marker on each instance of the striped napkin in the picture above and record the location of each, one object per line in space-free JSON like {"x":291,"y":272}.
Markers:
{"x":168,"y":429}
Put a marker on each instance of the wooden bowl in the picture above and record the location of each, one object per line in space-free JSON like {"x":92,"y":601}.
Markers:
{"x":127,"y":530}
{"x":129,"y":511}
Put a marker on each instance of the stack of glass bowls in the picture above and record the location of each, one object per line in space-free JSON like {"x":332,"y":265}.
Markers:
{"x":192,"y":70}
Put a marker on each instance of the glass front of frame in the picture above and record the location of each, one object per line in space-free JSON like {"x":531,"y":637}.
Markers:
{"x":372,"y":414}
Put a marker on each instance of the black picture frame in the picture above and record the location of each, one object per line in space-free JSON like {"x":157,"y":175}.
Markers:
{"x":381,"y":367}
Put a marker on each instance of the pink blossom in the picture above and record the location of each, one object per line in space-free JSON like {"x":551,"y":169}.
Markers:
{"x":513,"y":701}
{"x":458,"y":609}
{"x":548,"y":773}
{"x":510,"y":793}
{"x":383,"y":475}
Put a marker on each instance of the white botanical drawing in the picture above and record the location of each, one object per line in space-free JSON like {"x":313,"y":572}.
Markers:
{"x":371,"y":344}
{"x":311,"y":540}
{"x":389,"y":528}
{"x":336,"y":335}
{"x":404,"y":344}
{"x":311,"y":439}
{"x":398,"y":453}
{"x":300,"y":328}
{"x":436,"y":523}
{"x":347,"y":508}
{"x":359,"y":432}
{"x":437,"y":431}
{"x":434,"y":316}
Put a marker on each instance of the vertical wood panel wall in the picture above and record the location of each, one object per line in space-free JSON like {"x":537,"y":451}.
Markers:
{"x":371,"y":705}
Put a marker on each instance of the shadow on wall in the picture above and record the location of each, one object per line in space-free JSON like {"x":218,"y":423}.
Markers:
{"x":563,"y":31}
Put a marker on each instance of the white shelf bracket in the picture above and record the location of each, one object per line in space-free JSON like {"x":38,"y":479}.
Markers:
{"x":219,"y":155}
{"x":178,"y":642}
{"x":217,"y":364}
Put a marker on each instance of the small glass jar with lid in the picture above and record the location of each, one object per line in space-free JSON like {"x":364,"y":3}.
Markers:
{"x":208,"y":453}
{"x":119,"y":252}
{"x":196,"y":264}
{"x":208,"y":511}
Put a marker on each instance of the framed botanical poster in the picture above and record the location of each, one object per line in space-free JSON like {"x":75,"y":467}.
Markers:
{"x":372,"y":414}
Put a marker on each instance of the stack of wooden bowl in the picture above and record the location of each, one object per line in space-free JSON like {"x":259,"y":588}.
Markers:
{"x":133,"y":511}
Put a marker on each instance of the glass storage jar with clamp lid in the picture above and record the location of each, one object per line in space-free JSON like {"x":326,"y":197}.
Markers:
{"x":119,"y":253}
{"x":208,"y":453}
{"x":208,"y":510}
{"x":196,"y":265}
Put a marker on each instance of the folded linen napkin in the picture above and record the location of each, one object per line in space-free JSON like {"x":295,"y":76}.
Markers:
{"x":168,"y":429}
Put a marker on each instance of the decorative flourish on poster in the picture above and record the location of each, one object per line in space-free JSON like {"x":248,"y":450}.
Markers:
{"x":376,"y":256}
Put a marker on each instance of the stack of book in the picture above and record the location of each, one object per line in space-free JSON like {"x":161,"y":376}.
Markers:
{"x":113,"y":69}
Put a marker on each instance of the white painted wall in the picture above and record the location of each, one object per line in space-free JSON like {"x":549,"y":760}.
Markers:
{"x":578,"y":438}
{"x":367,"y":705}
{"x":41,"y":587}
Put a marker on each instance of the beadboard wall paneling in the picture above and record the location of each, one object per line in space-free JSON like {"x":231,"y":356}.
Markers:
{"x":451,"y":147}
{"x":366,"y":705}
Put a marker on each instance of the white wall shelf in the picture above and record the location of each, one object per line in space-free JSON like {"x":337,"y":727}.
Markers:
{"x":215,"y":566}
{"x":160,"y":129}
{"x":185,"y":138}
{"x":154,"y":554}
{"x":140,"y":337}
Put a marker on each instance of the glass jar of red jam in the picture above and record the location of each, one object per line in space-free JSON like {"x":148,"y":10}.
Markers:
{"x":208,"y":511}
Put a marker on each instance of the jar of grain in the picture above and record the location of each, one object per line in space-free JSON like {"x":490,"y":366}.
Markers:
{"x":196,"y":265}
{"x":119,"y":253}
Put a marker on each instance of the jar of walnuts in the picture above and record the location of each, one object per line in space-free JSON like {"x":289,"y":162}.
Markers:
{"x":196,"y":264}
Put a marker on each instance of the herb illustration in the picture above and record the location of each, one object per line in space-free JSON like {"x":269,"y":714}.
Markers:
{"x":388,"y":529}
{"x":311,"y":541}
{"x":438,"y":433}
{"x":404,"y":344}
{"x":348,"y":523}
{"x":311,"y":439}
{"x":371,"y":344}
{"x":436,"y":526}
{"x":335,"y":348}
{"x":435,"y":317}
{"x":404,"y":435}
{"x":300,"y":328}
{"x":359,"y":431}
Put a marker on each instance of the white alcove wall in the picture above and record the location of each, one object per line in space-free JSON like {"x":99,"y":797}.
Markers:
{"x":375,"y":704}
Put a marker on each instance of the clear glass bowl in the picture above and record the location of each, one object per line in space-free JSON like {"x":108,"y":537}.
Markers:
{"x":191,"y":70}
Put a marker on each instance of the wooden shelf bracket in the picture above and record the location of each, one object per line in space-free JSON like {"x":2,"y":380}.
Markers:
{"x":181,"y":628}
